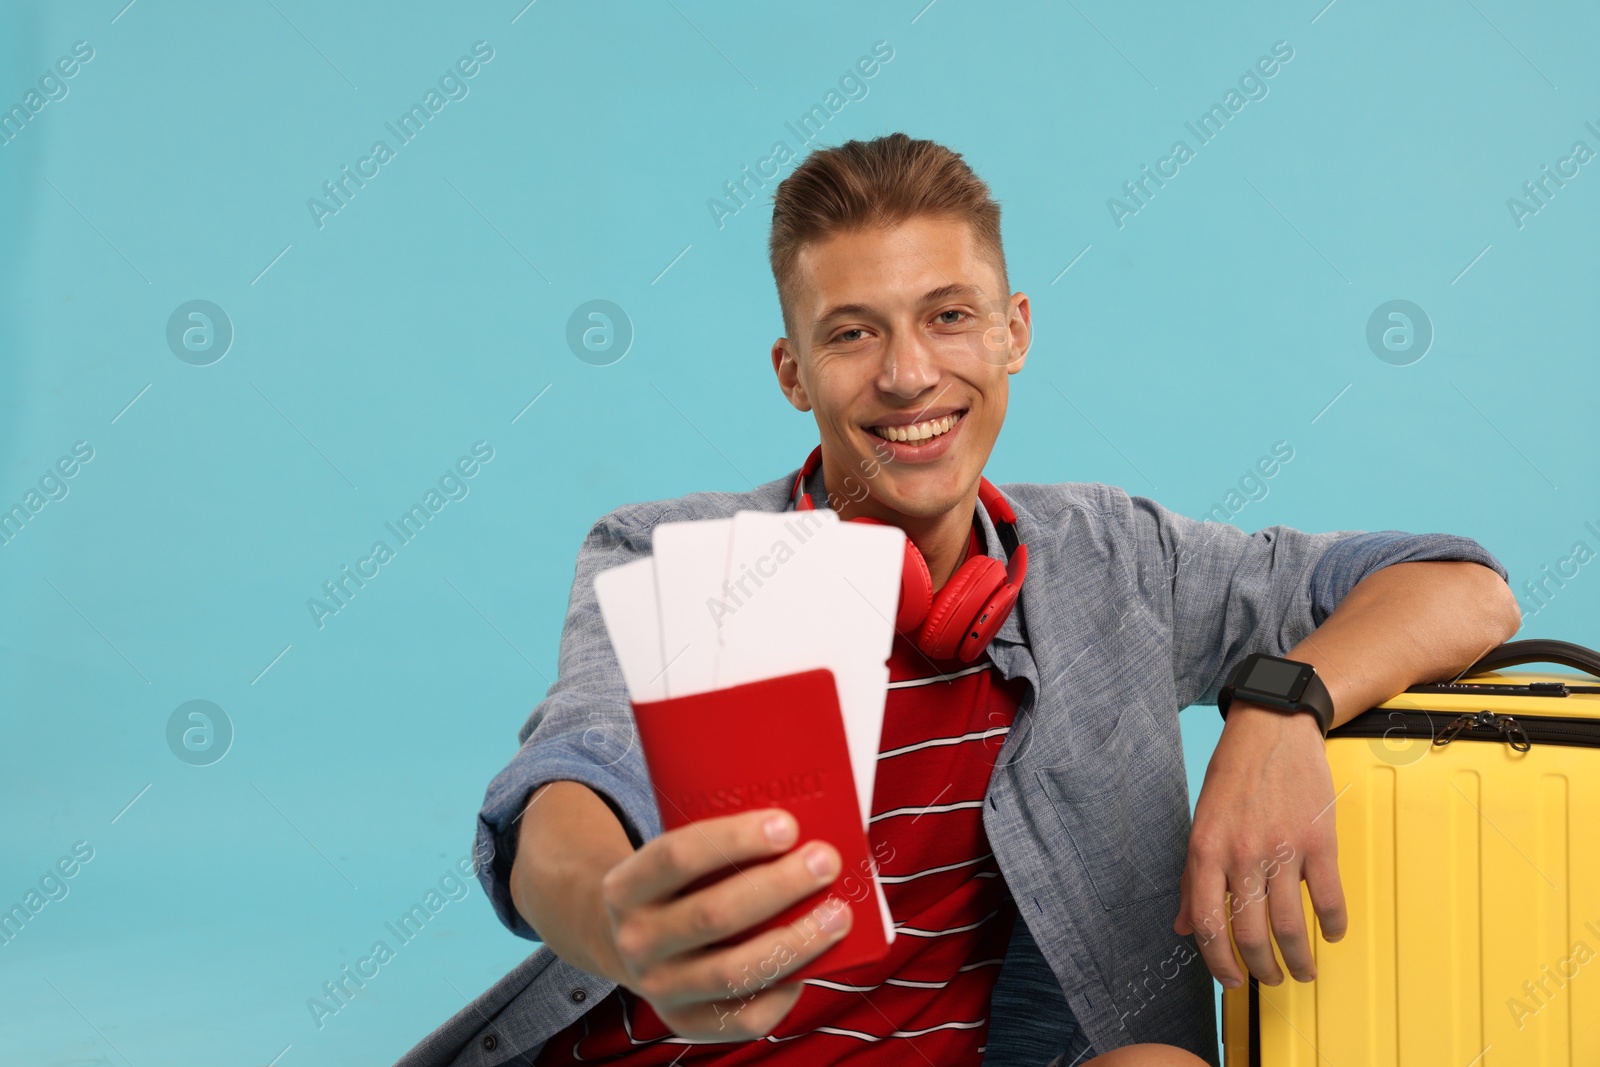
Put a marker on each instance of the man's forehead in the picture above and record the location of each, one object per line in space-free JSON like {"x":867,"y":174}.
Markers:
{"x":883,"y":267}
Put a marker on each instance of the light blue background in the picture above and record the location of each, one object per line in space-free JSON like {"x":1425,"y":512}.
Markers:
{"x":427,"y":314}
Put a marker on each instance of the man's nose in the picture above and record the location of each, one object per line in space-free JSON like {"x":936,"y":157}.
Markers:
{"x":909,"y":366}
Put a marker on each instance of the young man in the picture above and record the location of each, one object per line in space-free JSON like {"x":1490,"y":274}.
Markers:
{"x":1031,"y":811}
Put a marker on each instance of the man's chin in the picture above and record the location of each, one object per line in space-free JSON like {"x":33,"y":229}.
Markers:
{"x":923,"y":494}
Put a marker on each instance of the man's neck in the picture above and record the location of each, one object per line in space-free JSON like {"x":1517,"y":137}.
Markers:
{"x":942,"y":539}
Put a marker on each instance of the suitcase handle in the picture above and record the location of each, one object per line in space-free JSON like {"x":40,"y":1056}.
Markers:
{"x":1538,"y":650}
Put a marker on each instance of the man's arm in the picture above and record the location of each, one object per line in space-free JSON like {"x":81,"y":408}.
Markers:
{"x":625,"y":915}
{"x":577,"y":839}
{"x":570,"y":848}
{"x":1265,"y":817}
{"x":583,"y":729}
{"x":1405,"y":625}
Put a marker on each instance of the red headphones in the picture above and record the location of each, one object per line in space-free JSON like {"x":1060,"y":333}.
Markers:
{"x":971,"y":607}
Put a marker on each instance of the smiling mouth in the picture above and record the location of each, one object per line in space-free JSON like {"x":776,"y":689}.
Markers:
{"x":918,"y":432}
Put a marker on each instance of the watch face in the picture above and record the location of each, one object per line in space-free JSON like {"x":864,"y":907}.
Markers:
{"x":1280,"y":678}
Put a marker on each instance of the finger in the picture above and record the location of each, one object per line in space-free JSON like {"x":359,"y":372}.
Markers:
{"x":1250,"y":928}
{"x":762,"y":960}
{"x":667,"y":863}
{"x":737,"y":902}
{"x":1327,"y":893}
{"x":1207,"y":917}
{"x":1181,"y":924}
{"x":1288,"y":921}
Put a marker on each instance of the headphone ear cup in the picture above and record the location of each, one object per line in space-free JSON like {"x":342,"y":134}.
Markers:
{"x":916,"y":591}
{"x":961,"y":600}
{"x":976,"y":637}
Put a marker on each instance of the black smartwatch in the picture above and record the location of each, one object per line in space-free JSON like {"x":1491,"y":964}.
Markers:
{"x":1284,"y":685}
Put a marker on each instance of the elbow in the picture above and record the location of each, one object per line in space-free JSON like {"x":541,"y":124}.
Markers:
{"x":1501,"y":614}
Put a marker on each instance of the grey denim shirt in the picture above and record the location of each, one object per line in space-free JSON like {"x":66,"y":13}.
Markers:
{"x":1130,"y":612}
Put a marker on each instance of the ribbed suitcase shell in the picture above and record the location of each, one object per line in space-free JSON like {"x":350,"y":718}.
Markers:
{"x":1471,"y":874}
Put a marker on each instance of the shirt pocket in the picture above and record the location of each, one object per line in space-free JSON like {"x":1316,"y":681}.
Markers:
{"x":1124,"y":806}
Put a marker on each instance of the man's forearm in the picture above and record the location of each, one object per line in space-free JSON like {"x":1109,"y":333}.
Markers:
{"x":568,"y":838}
{"x":1407,"y":624}
{"x":1269,"y":782}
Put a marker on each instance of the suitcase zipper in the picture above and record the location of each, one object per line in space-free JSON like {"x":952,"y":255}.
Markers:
{"x":1521,"y":733}
{"x":1505,"y":725}
{"x":1527,"y":689}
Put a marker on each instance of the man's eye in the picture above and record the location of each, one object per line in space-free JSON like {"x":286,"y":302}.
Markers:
{"x":845,"y":335}
{"x":952,"y":311}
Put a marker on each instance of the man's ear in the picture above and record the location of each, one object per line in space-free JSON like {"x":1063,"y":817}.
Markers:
{"x":1021,"y":327}
{"x":786,"y":365}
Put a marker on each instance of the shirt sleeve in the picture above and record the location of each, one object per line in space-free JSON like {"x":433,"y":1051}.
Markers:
{"x":582,"y":731}
{"x":1227,"y":593}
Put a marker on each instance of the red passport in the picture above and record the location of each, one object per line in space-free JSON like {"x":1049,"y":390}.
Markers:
{"x":777,"y":742}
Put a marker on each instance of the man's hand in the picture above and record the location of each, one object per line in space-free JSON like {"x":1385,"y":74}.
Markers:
{"x":663,"y":938}
{"x":1264,"y":822}
{"x":626,"y":915}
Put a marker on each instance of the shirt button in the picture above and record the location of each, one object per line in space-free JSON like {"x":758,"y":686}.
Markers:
{"x":490,"y":1042}
{"x":579,"y":996}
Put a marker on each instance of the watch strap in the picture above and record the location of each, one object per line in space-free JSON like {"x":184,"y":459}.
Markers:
{"x":1315,"y":700}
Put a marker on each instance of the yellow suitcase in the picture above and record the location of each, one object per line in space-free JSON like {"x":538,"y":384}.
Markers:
{"x":1468,"y":817}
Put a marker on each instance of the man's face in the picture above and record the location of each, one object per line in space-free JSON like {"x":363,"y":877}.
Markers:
{"x":904,"y":344}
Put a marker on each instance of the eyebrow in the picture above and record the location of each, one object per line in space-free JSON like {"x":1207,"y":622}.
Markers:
{"x":943,"y":292}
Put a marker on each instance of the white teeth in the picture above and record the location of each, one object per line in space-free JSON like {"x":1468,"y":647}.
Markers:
{"x":921,"y":431}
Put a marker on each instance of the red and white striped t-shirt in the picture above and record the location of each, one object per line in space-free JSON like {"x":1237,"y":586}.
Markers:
{"x":928,"y":999}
